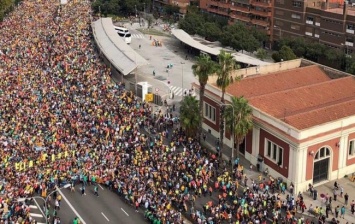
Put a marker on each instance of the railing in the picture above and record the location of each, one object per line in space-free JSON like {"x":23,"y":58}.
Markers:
{"x":221,"y":4}
{"x":261,"y":4}
{"x":260,"y":22}
{"x":240,"y":17}
{"x":240,"y":9}
{"x":260,"y":13}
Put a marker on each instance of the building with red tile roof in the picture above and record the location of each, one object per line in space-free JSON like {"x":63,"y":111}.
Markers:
{"x":304,"y":120}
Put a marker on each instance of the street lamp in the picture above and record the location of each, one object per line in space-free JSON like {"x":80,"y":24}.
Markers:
{"x":182,"y":76}
{"x":277,"y":27}
{"x":135,"y":7}
{"x":346,"y":56}
{"x":232,"y":138}
{"x":45,"y":199}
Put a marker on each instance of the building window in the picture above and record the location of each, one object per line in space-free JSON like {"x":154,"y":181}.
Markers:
{"x":281,"y":2}
{"x":322,"y":154}
{"x":297,"y":4}
{"x":274,"y":152}
{"x":352,"y":148}
{"x":295,"y":27}
{"x":279,"y":12}
{"x":210,"y":112}
{"x":295,"y":16}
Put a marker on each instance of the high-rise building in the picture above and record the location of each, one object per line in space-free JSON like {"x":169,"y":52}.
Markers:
{"x":330,"y":22}
{"x":182,"y":4}
{"x":254,"y":13}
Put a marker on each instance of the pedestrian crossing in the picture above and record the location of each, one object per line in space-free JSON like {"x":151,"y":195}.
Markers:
{"x":138,"y":36}
{"x":178,"y":91}
{"x":36,"y":214}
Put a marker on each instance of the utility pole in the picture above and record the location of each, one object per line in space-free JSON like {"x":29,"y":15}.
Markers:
{"x":182,"y":77}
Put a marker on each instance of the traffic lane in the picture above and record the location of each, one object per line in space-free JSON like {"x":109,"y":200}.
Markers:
{"x":65,"y":213}
{"x":107,"y":208}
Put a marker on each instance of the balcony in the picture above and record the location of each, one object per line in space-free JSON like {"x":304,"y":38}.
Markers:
{"x":310,"y":22}
{"x":350,"y":31}
{"x":261,"y":4}
{"x":260,"y":22}
{"x":221,"y":4}
{"x":350,"y":44}
{"x":260,"y":13}
{"x":317,"y":24}
{"x":309,"y":34}
{"x":316,"y":35}
{"x":239,"y":9}
{"x":240,"y":17}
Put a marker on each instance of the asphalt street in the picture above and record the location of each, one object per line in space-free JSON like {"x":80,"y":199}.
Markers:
{"x":107,"y":208}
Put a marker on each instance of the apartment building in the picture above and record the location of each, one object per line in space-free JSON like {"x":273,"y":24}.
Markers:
{"x":183,"y":4}
{"x":330,"y":22}
{"x":254,"y":13}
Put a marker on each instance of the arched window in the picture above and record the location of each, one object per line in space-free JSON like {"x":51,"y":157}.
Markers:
{"x":322,"y":153}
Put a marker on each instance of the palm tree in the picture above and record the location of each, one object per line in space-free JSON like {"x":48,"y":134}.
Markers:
{"x":203,"y":68}
{"x":239,"y":120}
{"x":226,"y":64}
{"x":189,"y":115}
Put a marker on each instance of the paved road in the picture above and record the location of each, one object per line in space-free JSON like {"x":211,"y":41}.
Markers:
{"x":107,"y":208}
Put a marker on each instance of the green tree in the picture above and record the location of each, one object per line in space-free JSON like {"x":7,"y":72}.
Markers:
{"x":239,"y":37}
{"x":192,"y":23}
{"x":171,"y":9}
{"x":190,"y":115}
{"x":261,"y":53}
{"x":202,"y":69}
{"x":285,"y":54}
{"x":226,"y":64}
{"x":239,"y":120}
{"x":211,"y":31}
{"x":5,"y":7}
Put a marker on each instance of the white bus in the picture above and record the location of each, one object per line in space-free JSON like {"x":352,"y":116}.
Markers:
{"x":124,"y":33}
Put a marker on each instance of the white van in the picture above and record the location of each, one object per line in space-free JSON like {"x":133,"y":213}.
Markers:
{"x":124,"y":33}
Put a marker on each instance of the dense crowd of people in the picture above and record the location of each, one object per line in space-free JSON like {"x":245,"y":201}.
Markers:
{"x":62,"y":120}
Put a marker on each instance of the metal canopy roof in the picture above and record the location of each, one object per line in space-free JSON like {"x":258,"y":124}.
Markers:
{"x":187,"y":39}
{"x":121,"y":55}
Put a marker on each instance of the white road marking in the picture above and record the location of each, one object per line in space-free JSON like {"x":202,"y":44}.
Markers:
{"x":101,"y":186}
{"x":70,"y":205}
{"x":124,"y":211}
{"x":105,"y":216}
{"x":33,"y":206}
{"x":36,"y":215}
{"x":39,"y":207}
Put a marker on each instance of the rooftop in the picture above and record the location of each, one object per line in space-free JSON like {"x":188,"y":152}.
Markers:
{"x":301,"y":97}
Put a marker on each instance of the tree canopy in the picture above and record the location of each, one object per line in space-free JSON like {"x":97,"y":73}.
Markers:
{"x":190,"y":115}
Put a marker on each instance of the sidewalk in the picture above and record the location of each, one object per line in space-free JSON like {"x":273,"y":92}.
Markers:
{"x":349,"y":187}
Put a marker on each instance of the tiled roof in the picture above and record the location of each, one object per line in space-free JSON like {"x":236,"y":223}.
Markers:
{"x":264,"y":84}
{"x":302,"y":97}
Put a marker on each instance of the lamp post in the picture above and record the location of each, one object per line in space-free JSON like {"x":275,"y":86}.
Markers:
{"x":232,"y":138}
{"x":182,"y":77}
{"x":346,"y":56}
{"x":44,"y":199}
{"x":279,"y":28}
{"x":135,"y":8}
